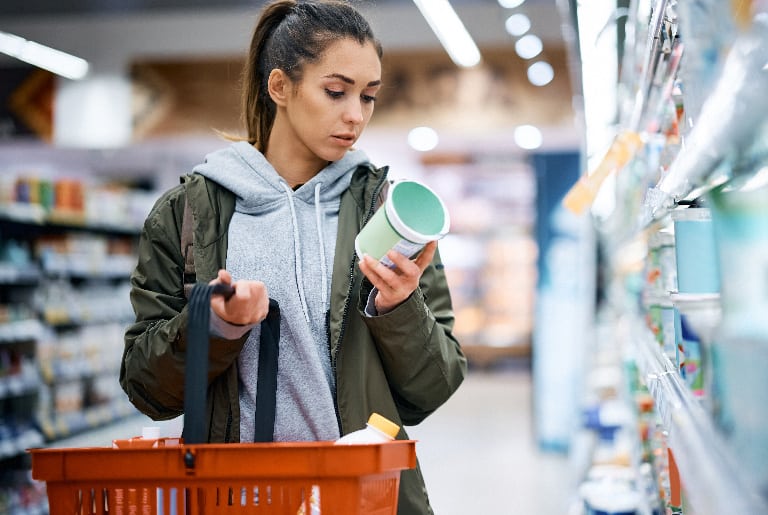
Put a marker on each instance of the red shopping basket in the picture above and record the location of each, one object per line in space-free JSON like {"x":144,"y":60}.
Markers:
{"x":305,"y":478}
{"x":277,"y":478}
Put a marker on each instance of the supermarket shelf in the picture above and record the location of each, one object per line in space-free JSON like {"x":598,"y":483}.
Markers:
{"x":33,"y":215}
{"x":713,"y":479}
{"x":70,"y":424}
{"x":485,"y":356}
{"x":19,"y":385}
{"x":19,"y":331}
{"x":650,"y":61}
{"x":16,"y":275}
{"x":55,"y":371}
{"x":15,"y":440}
{"x":76,"y":266}
{"x":36,"y":508}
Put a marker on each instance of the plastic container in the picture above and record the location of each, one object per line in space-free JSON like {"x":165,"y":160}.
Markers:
{"x":697,"y":325}
{"x":150,"y":438}
{"x":690,"y":357}
{"x":275,"y":478}
{"x":412,"y":216}
{"x":670,"y":319}
{"x":740,"y":217}
{"x":740,"y":221}
{"x":610,"y":498}
{"x":695,"y":252}
{"x":741,"y":385}
{"x":662,"y":271}
{"x":377,"y":430}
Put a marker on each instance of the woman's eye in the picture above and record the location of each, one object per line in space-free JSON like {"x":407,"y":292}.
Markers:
{"x":334,"y":94}
{"x":368,"y":99}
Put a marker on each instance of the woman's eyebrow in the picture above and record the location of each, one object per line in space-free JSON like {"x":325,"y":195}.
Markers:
{"x":350,"y":80}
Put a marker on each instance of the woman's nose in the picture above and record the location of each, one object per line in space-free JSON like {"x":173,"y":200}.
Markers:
{"x":354,"y":113}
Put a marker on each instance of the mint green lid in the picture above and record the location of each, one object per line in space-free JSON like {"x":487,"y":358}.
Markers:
{"x":416,"y":212}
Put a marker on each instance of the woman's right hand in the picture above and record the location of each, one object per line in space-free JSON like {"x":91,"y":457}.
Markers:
{"x":247,"y":306}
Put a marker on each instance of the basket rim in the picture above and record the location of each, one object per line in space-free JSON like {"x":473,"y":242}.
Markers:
{"x":214,"y":462}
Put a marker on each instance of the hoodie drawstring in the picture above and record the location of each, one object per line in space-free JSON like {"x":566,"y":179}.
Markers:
{"x":297,"y":248}
{"x":297,"y":251}
{"x":321,"y":241}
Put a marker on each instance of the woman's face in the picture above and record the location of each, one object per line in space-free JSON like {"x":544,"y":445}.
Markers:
{"x":329,"y":108}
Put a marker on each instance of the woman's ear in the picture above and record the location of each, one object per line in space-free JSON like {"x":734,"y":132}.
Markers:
{"x":277,"y":86}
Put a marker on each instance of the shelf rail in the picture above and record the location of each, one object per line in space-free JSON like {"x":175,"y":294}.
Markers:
{"x":713,"y":481}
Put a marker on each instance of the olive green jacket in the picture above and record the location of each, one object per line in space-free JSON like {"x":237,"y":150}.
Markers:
{"x":403,"y":364}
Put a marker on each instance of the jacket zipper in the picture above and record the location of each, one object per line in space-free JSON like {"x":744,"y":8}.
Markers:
{"x":348,"y":298}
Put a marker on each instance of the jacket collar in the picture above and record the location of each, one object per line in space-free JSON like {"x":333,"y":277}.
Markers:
{"x":365,"y":185}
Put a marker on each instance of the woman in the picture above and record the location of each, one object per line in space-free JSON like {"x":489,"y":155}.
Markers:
{"x":276,"y":216}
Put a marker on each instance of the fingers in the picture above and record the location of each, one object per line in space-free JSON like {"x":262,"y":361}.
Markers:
{"x":377,"y":272}
{"x":248,"y":305}
{"x":255,"y":301}
{"x":224,"y":276}
{"x":426,"y":256}
{"x":404,"y":266}
{"x":396,"y":284}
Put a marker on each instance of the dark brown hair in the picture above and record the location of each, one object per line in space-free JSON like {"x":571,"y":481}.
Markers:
{"x":288,"y":35}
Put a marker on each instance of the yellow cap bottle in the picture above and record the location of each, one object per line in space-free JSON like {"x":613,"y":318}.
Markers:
{"x":384,"y":425}
{"x":377,"y":430}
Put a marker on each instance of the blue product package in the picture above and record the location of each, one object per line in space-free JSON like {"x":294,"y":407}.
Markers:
{"x":695,"y":251}
{"x":690,"y":359}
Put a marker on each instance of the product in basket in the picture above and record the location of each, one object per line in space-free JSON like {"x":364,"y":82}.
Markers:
{"x":150,"y":439}
{"x":378,"y":430}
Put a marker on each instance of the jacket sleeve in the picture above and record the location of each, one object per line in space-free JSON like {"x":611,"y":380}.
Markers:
{"x":152,"y":370}
{"x":423,"y":360}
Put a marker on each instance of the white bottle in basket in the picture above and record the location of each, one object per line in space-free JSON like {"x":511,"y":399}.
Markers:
{"x":377,"y":430}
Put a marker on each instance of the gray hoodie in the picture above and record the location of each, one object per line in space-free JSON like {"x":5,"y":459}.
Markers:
{"x":286,"y":239}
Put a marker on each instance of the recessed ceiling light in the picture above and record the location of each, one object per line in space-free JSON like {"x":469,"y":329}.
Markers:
{"x":540,"y":73}
{"x":511,"y":4}
{"x":423,"y":139}
{"x":529,"y":46}
{"x":518,"y":24}
{"x":528,"y":137}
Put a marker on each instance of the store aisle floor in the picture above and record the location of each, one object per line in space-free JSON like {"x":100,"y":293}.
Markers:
{"x":477,"y":452}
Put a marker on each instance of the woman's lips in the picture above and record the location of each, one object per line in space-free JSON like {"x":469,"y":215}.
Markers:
{"x":345,"y":139}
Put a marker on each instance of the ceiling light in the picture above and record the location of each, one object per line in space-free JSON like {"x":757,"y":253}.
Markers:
{"x":56,"y":61}
{"x":540,"y":73}
{"x":511,"y":4}
{"x":529,"y":46}
{"x":528,"y":137}
{"x":518,"y":24}
{"x":450,"y":31}
{"x":423,"y":139}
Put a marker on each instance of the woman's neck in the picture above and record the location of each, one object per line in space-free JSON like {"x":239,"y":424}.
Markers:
{"x":294,"y":163}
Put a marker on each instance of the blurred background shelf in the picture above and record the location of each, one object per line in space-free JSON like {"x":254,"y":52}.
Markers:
{"x":487,"y":356}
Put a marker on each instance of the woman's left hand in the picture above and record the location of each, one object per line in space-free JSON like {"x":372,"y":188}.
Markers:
{"x":396,"y":285}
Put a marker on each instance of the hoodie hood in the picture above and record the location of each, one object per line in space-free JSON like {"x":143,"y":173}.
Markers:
{"x":246,"y":172}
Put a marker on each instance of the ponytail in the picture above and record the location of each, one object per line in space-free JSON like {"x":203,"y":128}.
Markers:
{"x":258,"y":107}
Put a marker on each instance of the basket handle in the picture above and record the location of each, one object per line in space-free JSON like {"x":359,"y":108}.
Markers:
{"x":196,"y":369}
{"x":196,"y":373}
